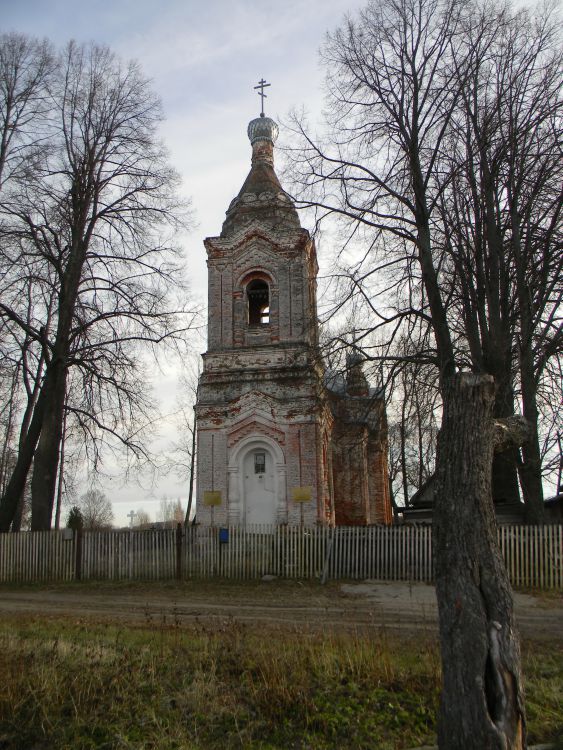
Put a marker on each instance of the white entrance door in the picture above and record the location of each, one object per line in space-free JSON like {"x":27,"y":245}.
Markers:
{"x":259,"y":494}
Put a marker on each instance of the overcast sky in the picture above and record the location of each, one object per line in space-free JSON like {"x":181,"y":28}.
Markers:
{"x":204,"y":59}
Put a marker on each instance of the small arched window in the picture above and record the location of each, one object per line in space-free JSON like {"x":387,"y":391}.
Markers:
{"x":258,"y":296}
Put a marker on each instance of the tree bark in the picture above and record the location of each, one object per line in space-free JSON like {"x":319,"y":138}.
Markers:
{"x":404,"y":461}
{"x":505,"y":463}
{"x":33,"y":395}
{"x":482,"y":702}
{"x":60,"y":479}
{"x":505,"y":477}
{"x":46,"y":459}
{"x":9,"y":429}
{"x":16,"y":485}
{"x":192,"y":473}
{"x":530,"y":467}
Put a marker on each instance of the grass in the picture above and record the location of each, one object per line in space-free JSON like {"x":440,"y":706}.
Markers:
{"x":65,"y":683}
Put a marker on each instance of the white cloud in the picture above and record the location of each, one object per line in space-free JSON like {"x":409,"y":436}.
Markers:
{"x":204,"y":59}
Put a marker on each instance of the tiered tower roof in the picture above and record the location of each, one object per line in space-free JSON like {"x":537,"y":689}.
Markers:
{"x":261,"y":199}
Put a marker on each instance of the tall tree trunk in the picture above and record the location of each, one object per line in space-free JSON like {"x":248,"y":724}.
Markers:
{"x":9,"y":430}
{"x":404,"y":465}
{"x":505,"y":476}
{"x":33,"y":395}
{"x":192,"y":473}
{"x":18,"y":514}
{"x":497,"y":343}
{"x":482,"y":702}
{"x":505,"y":464}
{"x":394,"y":506}
{"x":530,"y":467}
{"x":16,"y":485}
{"x":420,"y":441}
{"x":46,"y":459}
{"x":559,"y":485}
{"x":60,"y":480}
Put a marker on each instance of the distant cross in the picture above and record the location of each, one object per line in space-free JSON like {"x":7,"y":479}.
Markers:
{"x":262,"y":85}
{"x":131,"y":515}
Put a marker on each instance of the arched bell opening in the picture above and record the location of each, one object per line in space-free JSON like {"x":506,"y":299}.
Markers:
{"x":258,"y":301}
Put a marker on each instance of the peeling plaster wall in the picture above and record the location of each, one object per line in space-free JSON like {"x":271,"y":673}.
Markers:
{"x":263,"y":385}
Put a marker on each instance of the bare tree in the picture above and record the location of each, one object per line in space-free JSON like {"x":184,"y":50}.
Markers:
{"x":26,"y":67}
{"x":171,"y":512}
{"x":142,"y":519}
{"x":26,"y":70}
{"x":502,"y":207}
{"x":96,"y":223}
{"x":396,"y":82}
{"x":413,"y":425}
{"x":96,"y":510}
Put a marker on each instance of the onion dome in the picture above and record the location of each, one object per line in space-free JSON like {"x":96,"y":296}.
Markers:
{"x":261,"y":200}
{"x":263,"y":129}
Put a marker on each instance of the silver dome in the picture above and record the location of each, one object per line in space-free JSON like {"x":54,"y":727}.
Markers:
{"x":262,"y":129}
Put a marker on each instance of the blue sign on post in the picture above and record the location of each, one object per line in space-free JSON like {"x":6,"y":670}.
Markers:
{"x":223,"y":536}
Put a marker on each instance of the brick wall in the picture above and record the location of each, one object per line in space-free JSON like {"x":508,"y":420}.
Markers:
{"x":262,"y":385}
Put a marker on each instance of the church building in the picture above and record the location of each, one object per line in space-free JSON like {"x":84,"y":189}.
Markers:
{"x":279,"y":440}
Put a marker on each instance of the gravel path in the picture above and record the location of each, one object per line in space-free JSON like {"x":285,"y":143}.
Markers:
{"x":401,"y":607}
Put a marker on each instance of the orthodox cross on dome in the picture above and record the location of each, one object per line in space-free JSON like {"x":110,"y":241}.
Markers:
{"x":262,"y":85}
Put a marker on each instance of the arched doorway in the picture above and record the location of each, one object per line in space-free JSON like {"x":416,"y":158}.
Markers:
{"x":257,"y":482}
{"x":258,"y":478}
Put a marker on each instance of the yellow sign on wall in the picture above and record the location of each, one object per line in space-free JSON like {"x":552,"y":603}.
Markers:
{"x":212,"y":497}
{"x":302,"y":494}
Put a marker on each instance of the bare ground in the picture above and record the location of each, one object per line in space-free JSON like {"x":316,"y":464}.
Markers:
{"x":399,"y":607}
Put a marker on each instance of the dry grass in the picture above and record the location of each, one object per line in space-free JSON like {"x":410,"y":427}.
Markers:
{"x":68,"y":684}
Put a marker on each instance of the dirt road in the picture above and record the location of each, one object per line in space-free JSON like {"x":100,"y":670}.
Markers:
{"x":400,"y":607}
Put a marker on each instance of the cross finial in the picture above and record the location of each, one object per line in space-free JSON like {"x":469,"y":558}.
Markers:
{"x":262,"y":85}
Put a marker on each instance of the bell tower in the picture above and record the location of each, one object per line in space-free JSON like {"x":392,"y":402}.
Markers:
{"x":266,"y":259}
{"x":263,"y":415}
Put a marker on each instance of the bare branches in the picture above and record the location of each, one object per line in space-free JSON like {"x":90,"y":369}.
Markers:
{"x":26,"y":67}
{"x":442,"y":162}
{"x":442,"y":151}
{"x":90,"y":234}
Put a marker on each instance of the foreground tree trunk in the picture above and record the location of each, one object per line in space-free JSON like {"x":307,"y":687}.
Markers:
{"x":482,"y":704}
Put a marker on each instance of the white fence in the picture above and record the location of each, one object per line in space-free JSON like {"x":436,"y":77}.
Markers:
{"x":533,"y":555}
{"x":37,"y":556}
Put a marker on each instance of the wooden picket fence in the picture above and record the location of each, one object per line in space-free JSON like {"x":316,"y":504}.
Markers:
{"x":533,"y":555}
